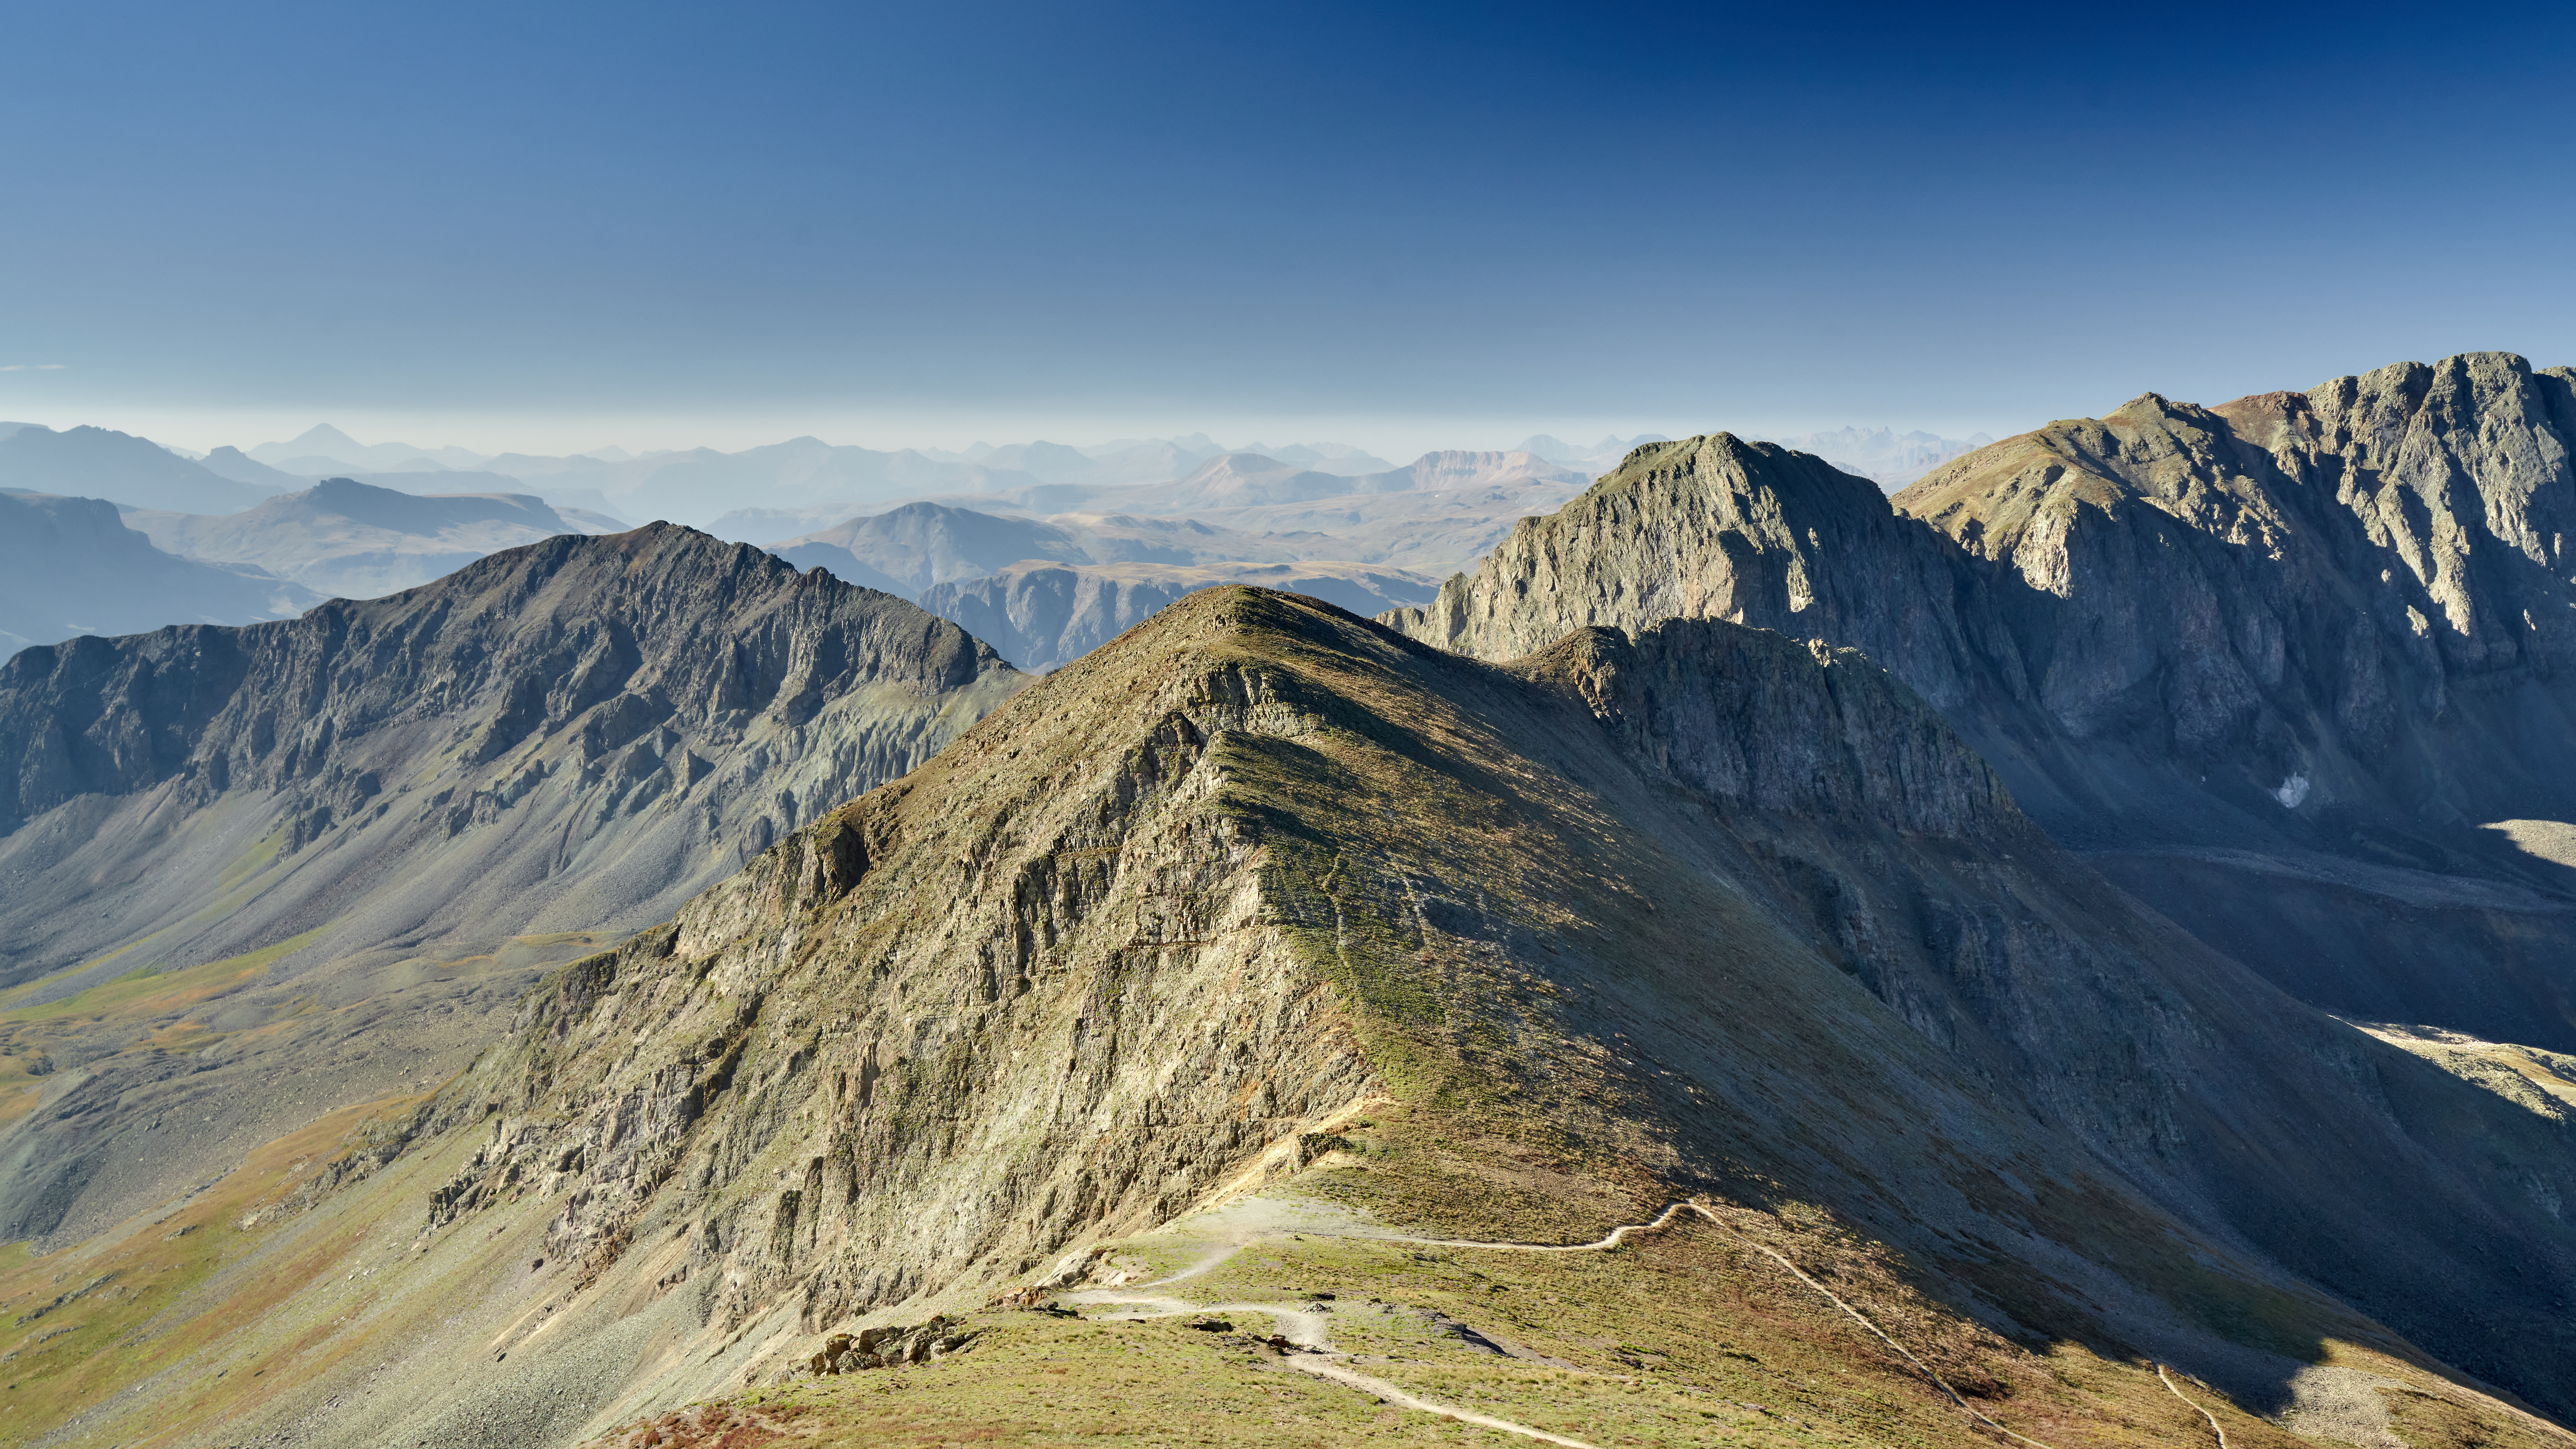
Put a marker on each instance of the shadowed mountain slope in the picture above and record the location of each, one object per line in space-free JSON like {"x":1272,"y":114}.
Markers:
{"x":571,"y":737}
{"x":70,"y":566}
{"x":1262,"y":907}
{"x":2275,"y":663}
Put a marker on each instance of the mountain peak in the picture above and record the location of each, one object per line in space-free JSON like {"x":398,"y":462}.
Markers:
{"x":324,"y":439}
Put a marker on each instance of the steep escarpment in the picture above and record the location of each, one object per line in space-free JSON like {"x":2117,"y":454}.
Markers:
{"x":1720,"y":527}
{"x":2361,"y":587}
{"x":2303,"y":644}
{"x":572,"y":737}
{"x":1895,"y":853}
{"x":1699,"y":912}
{"x":2343,"y":617}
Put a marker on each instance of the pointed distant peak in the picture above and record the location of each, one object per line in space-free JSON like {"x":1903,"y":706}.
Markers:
{"x":1238,"y":464}
{"x":320,"y":436}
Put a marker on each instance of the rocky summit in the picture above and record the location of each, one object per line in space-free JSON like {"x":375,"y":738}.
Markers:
{"x":2291,"y":669}
{"x":257,"y":874}
{"x":1272,"y":1029}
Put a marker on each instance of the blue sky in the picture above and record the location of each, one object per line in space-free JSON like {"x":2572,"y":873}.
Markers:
{"x":568,"y":225}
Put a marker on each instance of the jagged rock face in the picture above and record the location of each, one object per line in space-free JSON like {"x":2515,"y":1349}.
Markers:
{"x":2362,"y":587}
{"x":2310,"y":641}
{"x":1718,"y":527}
{"x":1809,"y":730}
{"x":1707,"y":906}
{"x":574,"y":736}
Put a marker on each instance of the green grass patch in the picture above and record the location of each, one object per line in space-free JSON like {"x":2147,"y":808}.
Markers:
{"x":153,"y":992}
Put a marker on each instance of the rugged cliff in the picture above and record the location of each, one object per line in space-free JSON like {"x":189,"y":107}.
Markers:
{"x":1703,"y":911}
{"x":2361,"y":587}
{"x":334,"y":811}
{"x":2275,"y":663}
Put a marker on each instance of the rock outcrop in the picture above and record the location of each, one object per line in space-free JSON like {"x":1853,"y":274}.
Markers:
{"x":1703,"y":911}
{"x":2272,"y":662}
{"x":572,"y":737}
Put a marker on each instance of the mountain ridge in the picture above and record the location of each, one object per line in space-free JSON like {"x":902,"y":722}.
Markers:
{"x":555,"y":742}
{"x":2177,"y":642}
{"x":1177,"y":926}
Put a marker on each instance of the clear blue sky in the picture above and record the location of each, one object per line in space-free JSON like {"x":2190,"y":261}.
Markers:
{"x":965,"y":216}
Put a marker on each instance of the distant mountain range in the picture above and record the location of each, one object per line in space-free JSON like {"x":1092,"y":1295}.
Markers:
{"x":119,"y":467}
{"x":1887,"y":458}
{"x":354,"y":534}
{"x":1043,"y":616}
{"x":354,"y":540}
{"x":70,"y":566}
{"x":1045,"y":591}
{"x":2078,"y":951}
{"x":335,"y":451}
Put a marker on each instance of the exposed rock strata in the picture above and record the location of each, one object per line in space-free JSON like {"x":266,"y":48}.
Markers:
{"x":2330,"y":625}
{"x":575,"y":736}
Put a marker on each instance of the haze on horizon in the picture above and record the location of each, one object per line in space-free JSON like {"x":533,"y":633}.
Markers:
{"x":1427,"y":227}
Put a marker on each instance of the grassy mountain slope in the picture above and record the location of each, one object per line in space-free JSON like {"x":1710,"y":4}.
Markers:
{"x":1267,"y":912}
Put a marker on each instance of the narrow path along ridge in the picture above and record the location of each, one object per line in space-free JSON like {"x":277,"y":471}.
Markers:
{"x":2197,"y":1409}
{"x":1303,"y":1325}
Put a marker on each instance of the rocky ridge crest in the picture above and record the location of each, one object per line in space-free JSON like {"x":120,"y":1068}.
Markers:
{"x":575,"y":736}
{"x":2274,"y":661}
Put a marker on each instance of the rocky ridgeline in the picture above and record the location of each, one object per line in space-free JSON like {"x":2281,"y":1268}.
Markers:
{"x":933,"y":996}
{"x":2362,"y":587}
{"x":1149,"y":932}
{"x":2273,"y":663}
{"x":574,"y":736}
